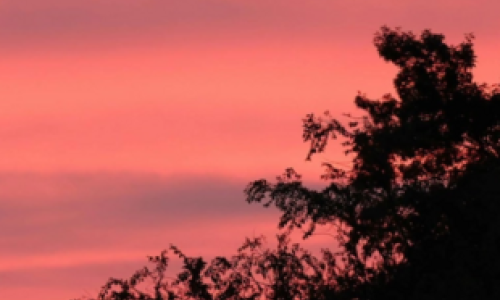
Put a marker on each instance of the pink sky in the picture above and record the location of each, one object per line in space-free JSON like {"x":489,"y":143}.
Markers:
{"x":128,"y":125}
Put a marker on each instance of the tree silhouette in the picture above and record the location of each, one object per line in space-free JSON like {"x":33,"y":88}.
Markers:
{"x":421,"y":194}
{"x":415,"y":212}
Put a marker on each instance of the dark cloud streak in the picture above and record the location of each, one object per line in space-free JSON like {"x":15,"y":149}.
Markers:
{"x":32,"y":23}
{"x":63,"y":211}
{"x":41,"y":22}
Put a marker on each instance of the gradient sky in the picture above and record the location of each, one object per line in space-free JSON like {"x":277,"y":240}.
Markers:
{"x":127,"y":125}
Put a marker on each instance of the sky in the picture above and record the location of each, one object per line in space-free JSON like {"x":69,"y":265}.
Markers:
{"x":128,"y":125}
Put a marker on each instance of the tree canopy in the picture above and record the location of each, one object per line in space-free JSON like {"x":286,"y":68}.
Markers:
{"x":415,"y":213}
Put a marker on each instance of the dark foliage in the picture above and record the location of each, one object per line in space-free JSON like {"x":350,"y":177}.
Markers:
{"x":416,"y":211}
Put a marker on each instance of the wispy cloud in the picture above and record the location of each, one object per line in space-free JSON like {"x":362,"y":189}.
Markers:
{"x":72,"y":212}
{"x":177,"y":21}
{"x":77,"y":229}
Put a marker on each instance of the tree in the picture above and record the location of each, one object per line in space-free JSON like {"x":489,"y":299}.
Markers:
{"x":420,"y":199}
{"x":416,"y":212}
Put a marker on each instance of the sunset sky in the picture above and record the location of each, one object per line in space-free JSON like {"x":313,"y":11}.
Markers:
{"x":128,"y":125}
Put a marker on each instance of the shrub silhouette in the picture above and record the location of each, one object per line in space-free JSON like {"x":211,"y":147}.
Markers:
{"x":416,"y":211}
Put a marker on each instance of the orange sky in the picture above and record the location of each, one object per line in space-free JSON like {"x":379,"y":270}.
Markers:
{"x":129,"y":125}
